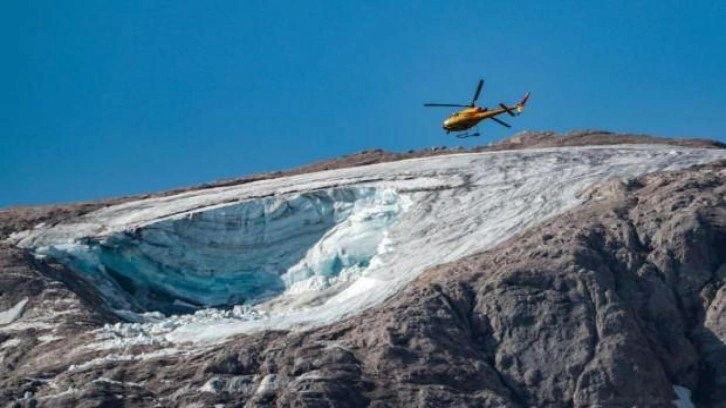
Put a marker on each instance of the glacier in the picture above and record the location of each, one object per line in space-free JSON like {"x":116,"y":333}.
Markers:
{"x":238,"y":254}
{"x":310,"y":249}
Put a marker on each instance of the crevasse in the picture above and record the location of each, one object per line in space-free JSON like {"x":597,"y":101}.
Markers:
{"x":243,"y":253}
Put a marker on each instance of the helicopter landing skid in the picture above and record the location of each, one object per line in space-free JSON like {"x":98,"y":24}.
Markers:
{"x":468,"y":135}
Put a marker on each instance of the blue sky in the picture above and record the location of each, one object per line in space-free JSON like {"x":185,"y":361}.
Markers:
{"x":102,"y":98}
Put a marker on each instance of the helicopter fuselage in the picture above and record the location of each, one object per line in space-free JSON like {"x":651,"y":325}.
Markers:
{"x":469,"y":117}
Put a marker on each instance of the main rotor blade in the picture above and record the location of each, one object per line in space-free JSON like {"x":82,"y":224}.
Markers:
{"x":506,"y":109}
{"x":456,"y":105}
{"x":501,"y":122}
{"x":478,"y":91}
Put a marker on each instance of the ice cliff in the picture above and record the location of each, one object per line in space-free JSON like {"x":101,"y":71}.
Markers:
{"x":243,"y":253}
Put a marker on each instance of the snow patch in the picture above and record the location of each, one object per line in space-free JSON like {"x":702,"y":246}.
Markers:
{"x":23,"y":325}
{"x":10,"y":343}
{"x":237,"y":384}
{"x":13,"y":313}
{"x":49,"y":338}
{"x":684,"y":397}
{"x":124,"y":357}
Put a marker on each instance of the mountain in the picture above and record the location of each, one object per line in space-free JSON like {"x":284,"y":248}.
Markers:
{"x":585,"y":269}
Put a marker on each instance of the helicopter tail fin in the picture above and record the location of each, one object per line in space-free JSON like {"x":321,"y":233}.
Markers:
{"x":520,"y":105}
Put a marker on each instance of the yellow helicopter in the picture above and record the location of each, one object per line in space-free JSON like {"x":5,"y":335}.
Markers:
{"x":471,"y":116}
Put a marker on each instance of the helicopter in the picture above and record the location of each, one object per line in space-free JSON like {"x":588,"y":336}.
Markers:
{"x":465,"y":119}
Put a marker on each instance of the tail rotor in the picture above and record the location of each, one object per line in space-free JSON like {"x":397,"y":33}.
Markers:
{"x":520,"y":106}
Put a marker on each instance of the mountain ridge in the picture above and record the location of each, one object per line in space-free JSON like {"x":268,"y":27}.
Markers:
{"x":30,"y":215}
{"x":612,"y":302}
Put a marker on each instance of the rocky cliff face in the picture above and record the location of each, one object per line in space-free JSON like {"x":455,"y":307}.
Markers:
{"x":609,"y":304}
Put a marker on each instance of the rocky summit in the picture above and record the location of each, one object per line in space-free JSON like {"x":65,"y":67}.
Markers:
{"x":585,"y":269}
